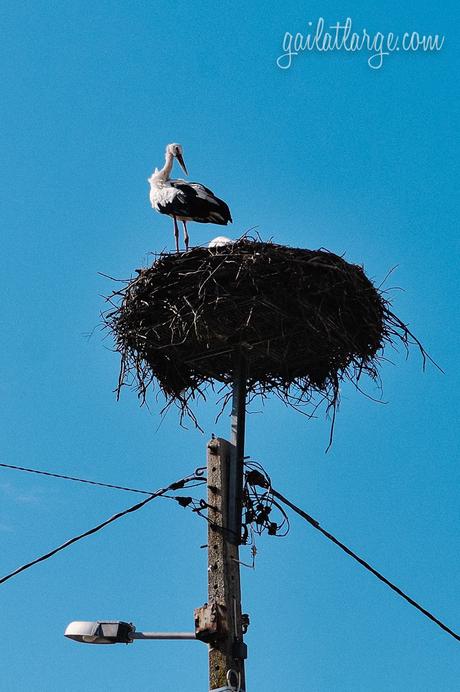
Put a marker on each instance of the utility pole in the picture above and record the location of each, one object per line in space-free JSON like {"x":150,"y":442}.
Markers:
{"x":227,"y":651}
{"x":220,"y":622}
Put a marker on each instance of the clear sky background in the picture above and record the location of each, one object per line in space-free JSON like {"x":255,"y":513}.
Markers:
{"x":329,"y":153}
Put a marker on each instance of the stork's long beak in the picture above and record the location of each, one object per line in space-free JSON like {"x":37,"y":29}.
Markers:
{"x":182,"y":163}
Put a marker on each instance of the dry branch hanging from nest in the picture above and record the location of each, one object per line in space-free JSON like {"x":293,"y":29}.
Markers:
{"x":304,"y":319}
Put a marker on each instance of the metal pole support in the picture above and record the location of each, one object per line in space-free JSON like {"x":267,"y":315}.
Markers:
{"x":236,"y":468}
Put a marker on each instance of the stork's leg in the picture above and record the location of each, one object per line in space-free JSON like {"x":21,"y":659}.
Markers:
{"x":186,"y":238}
{"x":176,"y":233}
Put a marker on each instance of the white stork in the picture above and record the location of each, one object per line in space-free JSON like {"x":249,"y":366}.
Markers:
{"x":182,"y":200}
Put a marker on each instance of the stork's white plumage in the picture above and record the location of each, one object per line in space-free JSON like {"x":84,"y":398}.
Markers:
{"x":219,"y":241}
{"x":182,"y":200}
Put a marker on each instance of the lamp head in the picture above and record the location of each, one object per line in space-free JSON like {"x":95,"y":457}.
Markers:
{"x":100,"y":632}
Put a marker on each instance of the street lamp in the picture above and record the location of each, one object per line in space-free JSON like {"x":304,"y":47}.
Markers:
{"x":115,"y":632}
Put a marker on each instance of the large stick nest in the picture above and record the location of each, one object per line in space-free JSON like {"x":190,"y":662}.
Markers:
{"x":303,"y":319}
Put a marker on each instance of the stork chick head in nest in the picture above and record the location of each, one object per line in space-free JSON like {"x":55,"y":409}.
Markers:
{"x":176,"y":151}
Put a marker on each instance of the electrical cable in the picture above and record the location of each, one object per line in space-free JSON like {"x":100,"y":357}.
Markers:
{"x":180,"y":484}
{"x":237,"y":687}
{"x":78,"y":480}
{"x":176,"y":485}
{"x":258,"y":506}
{"x":365,"y":564}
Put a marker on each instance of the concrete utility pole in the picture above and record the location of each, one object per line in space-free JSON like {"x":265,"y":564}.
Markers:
{"x":227,"y":650}
{"x":220,"y":622}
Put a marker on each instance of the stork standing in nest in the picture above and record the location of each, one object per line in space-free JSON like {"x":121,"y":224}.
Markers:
{"x":184,"y":201}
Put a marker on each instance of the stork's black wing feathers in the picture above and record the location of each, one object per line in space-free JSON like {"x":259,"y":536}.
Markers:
{"x":196,"y":202}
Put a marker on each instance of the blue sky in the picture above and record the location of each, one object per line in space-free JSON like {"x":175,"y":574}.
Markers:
{"x":329,"y":153}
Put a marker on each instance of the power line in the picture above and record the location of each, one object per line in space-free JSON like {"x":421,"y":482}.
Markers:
{"x":173,"y":486}
{"x":366,"y":565}
{"x":78,"y":480}
{"x":180,"y":484}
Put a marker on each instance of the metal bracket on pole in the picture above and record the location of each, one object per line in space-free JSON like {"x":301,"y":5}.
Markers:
{"x":211,"y":623}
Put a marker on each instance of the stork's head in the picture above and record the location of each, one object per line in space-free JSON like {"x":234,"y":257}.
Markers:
{"x":176,"y":151}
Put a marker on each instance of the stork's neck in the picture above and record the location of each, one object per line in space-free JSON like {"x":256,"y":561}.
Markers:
{"x":165,"y":172}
